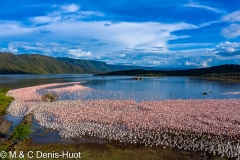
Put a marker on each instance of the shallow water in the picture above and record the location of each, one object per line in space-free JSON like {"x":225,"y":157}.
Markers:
{"x":43,"y":135}
{"x":16,"y":121}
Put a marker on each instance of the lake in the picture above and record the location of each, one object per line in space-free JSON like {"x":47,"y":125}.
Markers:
{"x":122,"y":87}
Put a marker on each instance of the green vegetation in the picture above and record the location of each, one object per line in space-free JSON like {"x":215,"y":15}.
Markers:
{"x":21,"y":132}
{"x":230,"y":76}
{"x":223,"y":73}
{"x":11,"y":64}
{"x":4,"y":100}
{"x":19,"y":135}
{"x":95,"y":66}
{"x":39,"y":64}
{"x":49,"y":97}
{"x":152,"y":75}
{"x":113,"y":151}
{"x":98,"y":66}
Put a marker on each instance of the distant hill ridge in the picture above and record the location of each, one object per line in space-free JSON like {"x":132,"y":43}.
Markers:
{"x":190,"y":72}
{"x":228,"y":72}
{"x":35,"y":64}
{"x":98,"y":66}
{"x":40,"y":64}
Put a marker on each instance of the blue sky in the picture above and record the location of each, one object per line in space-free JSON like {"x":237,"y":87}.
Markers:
{"x":157,"y":33}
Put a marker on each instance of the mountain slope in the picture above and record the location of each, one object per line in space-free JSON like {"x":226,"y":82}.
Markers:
{"x":98,"y":66}
{"x":25,"y":63}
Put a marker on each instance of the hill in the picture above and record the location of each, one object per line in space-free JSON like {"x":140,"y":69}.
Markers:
{"x":35,"y":64}
{"x":98,"y":66}
{"x":229,"y":72}
{"x":39,"y":64}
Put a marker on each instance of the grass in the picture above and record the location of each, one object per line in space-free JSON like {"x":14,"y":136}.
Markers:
{"x":4,"y":100}
{"x":21,"y":132}
{"x":111,"y":151}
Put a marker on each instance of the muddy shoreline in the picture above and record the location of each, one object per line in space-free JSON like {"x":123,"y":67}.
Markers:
{"x":4,"y":129}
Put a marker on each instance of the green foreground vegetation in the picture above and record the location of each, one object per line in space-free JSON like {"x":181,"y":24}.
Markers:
{"x":21,"y":132}
{"x":19,"y":135}
{"x":4,"y":100}
{"x":112,"y":151}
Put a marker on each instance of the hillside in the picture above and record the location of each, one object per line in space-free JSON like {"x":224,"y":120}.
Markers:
{"x":227,"y":72}
{"x":98,"y":66}
{"x":35,"y":64}
{"x":39,"y":64}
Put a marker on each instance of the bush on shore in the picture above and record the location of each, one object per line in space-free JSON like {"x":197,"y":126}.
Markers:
{"x":49,"y":97}
{"x":21,"y":132}
{"x":4,"y":100}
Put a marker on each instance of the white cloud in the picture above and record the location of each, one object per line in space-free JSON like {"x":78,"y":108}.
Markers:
{"x":122,"y":55}
{"x":69,"y":35}
{"x":188,"y":63}
{"x":48,"y":48}
{"x":120,"y":35}
{"x":66,"y":14}
{"x":80,"y":15}
{"x":155,"y":62}
{"x":116,"y":37}
{"x":45,"y":19}
{"x":187,"y":45}
{"x":194,"y":5}
{"x":231,"y":31}
{"x":91,"y":13}
{"x":232,"y":17}
{"x":209,"y":23}
{"x":10,"y":28}
{"x":174,"y":37}
{"x":11,"y":48}
{"x":77,"y":53}
{"x":228,"y":49}
{"x":70,"y":8}
{"x":198,"y":63}
{"x":205,"y":63}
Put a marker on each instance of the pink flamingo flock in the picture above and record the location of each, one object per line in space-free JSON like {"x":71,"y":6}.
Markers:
{"x":210,"y":126}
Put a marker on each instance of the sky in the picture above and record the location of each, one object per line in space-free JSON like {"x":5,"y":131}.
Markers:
{"x":153,"y":33}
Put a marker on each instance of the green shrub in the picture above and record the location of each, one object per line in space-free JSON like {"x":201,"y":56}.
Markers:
{"x":49,"y":97}
{"x":21,"y":132}
{"x":4,"y":100}
{"x":4,"y":90}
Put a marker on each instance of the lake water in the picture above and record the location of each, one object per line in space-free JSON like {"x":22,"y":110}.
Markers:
{"x":124,"y":87}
